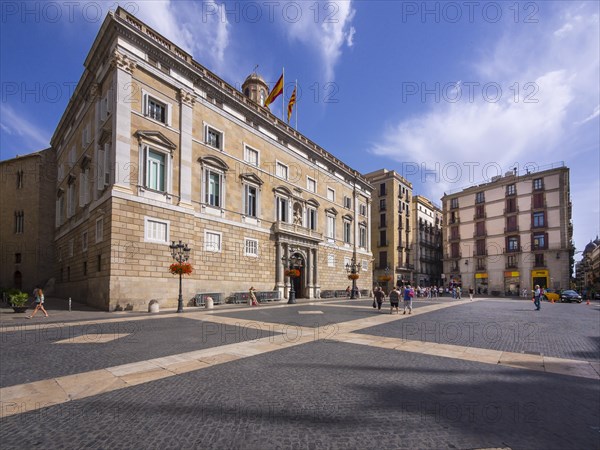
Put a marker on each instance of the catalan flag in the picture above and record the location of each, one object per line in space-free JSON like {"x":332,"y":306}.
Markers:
{"x":291,"y":103}
{"x":275,"y":92}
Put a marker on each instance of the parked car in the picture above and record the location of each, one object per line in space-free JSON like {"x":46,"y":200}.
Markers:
{"x":570,"y":296}
{"x":551,"y":295}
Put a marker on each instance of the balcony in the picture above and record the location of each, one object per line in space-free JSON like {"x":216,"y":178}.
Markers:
{"x":383,"y":244}
{"x":297,"y":230}
{"x":479,"y":234}
{"x":480,"y":253}
{"x":511,"y":210}
{"x":511,"y":265}
{"x":511,"y":229}
{"x":478,"y":216}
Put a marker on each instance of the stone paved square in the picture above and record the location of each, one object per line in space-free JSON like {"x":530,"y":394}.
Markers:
{"x":33,"y":354}
{"x":310,"y":393}
{"x":328,"y":395}
{"x":290,"y":315}
{"x":561,"y":330}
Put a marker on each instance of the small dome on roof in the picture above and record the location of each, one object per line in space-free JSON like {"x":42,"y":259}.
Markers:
{"x":590,"y":247}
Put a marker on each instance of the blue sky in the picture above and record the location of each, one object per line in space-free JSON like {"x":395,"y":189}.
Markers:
{"x":446,"y":93}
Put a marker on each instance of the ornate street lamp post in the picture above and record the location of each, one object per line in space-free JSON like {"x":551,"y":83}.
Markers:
{"x":292,"y":263}
{"x":180,"y":253}
{"x":353,"y":268}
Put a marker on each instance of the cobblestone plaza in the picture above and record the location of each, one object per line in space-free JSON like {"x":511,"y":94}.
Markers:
{"x":336,"y":374}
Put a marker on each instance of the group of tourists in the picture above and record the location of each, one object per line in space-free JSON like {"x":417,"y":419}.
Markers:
{"x":407,"y":293}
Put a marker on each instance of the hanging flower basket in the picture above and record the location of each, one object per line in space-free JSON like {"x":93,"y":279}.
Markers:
{"x":353,"y":276}
{"x":292,"y":273}
{"x":180,"y":268}
{"x":384,"y":278}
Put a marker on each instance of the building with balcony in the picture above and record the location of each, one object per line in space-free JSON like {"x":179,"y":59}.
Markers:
{"x":392,"y":236}
{"x":427,"y":246}
{"x":155,"y":148}
{"x":511,"y":233}
{"x":27,"y":184}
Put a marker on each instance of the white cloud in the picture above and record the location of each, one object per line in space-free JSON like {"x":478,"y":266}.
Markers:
{"x":14,"y":124}
{"x":326,"y":28}
{"x":592,"y":116}
{"x":200,"y":28}
{"x":557,"y":64}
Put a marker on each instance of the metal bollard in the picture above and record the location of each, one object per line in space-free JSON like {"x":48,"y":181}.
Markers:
{"x":69,"y":304}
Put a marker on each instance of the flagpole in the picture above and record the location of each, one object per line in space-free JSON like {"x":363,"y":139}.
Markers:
{"x":283,"y":94}
{"x":296,"y":90}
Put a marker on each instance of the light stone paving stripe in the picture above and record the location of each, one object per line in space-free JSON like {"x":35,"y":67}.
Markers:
{"x":92,"y":339}
{"x":40,"y":394}
{"x":34,"y":396}
{"x":574,"y":368}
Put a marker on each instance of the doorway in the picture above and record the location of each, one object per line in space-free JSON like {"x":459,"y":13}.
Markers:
{"x":299,"y":283}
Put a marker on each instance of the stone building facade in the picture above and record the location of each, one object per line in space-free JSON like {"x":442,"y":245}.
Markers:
{"x":427,"y":248}
{"x":511,"y":233}
{"x":588,"y":269}
{"x":392,"y":238}
{"x":27,"y":184}
{"x":154,"y":148}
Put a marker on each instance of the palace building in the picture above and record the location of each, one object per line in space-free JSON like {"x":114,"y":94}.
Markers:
{"x":155,"y":148}
{"x":511,"y":233}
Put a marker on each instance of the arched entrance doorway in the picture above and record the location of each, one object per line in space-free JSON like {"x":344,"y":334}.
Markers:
{"x":18,"y":280}
{"x":300,"y":282}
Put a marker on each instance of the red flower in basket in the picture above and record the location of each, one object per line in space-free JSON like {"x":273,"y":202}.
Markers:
{"x":353,"y":276}
{"x":292,"y":273}
{"x":180,"y":268}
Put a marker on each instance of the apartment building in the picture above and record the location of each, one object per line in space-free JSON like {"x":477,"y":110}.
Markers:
{"x":427,"y":247}
{"x":392,"y":236}
{"x":511,"y":233}
{"x":588,"y":268}
{"x":28,"y":190}
{"x":155,"y":148}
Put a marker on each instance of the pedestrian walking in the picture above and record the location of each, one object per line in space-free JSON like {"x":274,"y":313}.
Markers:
{"x":38,"y":295}
{"x":536,"y":297}
{"x":379,"y":297}
{"x":458,"y":292}
{"x":252,"y":296}
{"x":395,"y":300}
{"x":409,"y":293}
{"x":471,"y":292}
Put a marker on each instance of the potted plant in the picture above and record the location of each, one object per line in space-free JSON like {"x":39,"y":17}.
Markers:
{"x":18,"y":300}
